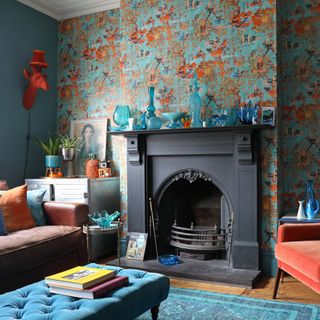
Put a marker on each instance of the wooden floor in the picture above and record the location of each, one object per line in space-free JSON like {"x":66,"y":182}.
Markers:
{"x":290,"y":290}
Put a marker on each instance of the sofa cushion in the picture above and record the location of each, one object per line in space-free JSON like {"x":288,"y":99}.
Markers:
{"x":31,"y":237}
{"x":24,"y":249}
{"x":3,"y":229}
{"x":34,"y":200}
{"x":16,"y":213}
{"x":303,"y":256}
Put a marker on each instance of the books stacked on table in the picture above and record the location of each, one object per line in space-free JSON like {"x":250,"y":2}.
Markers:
{"x":85,"y":282}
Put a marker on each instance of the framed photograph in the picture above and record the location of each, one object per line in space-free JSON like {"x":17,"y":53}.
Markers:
{"x":268,"y":115}
{"x":92,"y":134}
{"x":137,"y":246}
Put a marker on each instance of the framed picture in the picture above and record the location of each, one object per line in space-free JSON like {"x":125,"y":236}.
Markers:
{"x":92,"y":134}
{"x":268,"y":115}
{"x":137,"y":246}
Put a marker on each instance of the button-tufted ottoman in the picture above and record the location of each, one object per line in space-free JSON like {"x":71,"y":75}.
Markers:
{"x":145,"y":291}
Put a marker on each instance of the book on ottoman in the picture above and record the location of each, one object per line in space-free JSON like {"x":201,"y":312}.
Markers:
{"x":94,"y":292}
{"x":79,"y":277}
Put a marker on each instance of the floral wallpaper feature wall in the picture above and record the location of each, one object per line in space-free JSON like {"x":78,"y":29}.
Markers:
{"x":88,"y":78}
{"x":300,"y":98}
{"x":112,"y":57}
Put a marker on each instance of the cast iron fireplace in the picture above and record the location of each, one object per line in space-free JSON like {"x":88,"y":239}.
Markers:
{"x":191,"y":219}
{"x":204,"y":187}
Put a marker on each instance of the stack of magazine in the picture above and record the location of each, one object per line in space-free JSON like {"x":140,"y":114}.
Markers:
{"x":85,"y":282}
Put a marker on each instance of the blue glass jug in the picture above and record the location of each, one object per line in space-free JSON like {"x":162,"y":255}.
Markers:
{"x":312,"y":205}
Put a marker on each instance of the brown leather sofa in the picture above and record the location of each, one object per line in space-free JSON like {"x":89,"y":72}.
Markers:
{"x":27,"y":256}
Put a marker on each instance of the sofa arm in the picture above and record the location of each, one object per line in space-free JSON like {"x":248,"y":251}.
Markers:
{"x":298,"y":231}
{"x":66,"y":213}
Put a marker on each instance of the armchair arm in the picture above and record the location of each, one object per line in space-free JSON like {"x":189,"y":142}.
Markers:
{"x":66,"y":213}
{"x":298,"y":231}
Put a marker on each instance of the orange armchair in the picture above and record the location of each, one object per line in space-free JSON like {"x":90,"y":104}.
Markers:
{"x":298,"y":254}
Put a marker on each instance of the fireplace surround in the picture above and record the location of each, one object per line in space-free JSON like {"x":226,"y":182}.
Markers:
{"x":197,"y":178}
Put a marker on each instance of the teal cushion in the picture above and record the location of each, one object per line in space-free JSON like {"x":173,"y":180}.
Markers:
{"x":3,"y":229}
{"x":34,"y":200}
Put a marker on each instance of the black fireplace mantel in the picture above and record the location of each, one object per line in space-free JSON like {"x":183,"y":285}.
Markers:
{"x":192,"y":130}
{"x":229,"y":155}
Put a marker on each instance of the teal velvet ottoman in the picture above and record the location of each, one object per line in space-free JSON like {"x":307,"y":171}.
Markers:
{"x":145,"y":291}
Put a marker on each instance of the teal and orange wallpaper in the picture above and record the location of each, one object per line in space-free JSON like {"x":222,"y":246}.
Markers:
{"x":299,"y":53}
{"x":111,"y":57}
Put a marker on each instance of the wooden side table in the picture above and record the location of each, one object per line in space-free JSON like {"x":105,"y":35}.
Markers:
{"x":292,"y":218}
{"x":91,"y":230}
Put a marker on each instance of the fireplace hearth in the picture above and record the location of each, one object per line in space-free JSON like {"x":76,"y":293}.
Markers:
{"x":204,"y":187}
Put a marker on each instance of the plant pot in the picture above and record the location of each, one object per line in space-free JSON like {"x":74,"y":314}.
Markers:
{"x":53,"y":161}
{"x":68,"y":154}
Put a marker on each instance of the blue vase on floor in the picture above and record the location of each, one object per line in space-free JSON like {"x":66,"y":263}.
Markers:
{"x":312,"y":205}
{"x":195,"y":104}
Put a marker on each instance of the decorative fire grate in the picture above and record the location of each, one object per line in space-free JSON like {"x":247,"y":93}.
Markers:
{"x":198,"y":242}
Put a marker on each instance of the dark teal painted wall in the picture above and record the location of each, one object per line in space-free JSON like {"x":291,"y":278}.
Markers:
{"x":23,"y":29}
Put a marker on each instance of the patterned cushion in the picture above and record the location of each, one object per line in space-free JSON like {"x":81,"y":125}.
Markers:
{"x":34,"y":200}
{"x":3,"y":229}
{"x":16,"y":213}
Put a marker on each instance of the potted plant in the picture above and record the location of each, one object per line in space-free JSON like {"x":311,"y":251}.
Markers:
{"x":51,"y":149}
{"x":68,"y":147}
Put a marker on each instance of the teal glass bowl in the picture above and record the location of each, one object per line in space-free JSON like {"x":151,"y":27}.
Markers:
{"x":173,"y":118}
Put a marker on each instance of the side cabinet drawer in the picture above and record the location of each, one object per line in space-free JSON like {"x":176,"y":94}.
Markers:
{"x":72,"y":193}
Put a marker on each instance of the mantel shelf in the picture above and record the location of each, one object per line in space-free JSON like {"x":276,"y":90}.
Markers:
{"x":193,"y":130}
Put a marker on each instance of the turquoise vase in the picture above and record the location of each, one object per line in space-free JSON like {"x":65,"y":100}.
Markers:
{"x":195,"y":104}
{"x":312,"y":205}
{"x":153,"y":122}
{"x":121,"y":116}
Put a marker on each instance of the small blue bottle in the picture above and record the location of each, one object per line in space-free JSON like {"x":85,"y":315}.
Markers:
{"x":195,"y":104}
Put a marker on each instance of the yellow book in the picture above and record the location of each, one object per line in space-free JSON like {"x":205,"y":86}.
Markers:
{"x":79,"y":277}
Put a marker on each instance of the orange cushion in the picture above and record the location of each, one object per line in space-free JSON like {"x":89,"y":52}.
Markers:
{"x":304,"y":256}
{"x":16,"y":213}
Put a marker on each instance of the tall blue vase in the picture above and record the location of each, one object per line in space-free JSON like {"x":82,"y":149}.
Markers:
{"x":153,"y":122}
{"x":312,"y":205}
{"x":195,"y":104}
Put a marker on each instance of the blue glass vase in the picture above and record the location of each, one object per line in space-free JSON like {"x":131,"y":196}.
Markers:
{"x":121,"y":115}
{"x":248,"y":114}
{"x":312,"y":205}
{"x":153,"y":122}
{"x":195,"y":104}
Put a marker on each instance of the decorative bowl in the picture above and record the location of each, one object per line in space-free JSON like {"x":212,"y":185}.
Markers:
{"x":103,"y":219}
{"x":169,"y":259}
{"x":173,"y":118}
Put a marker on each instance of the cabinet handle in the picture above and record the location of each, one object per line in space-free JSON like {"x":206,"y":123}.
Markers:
{"x":85,"y":195}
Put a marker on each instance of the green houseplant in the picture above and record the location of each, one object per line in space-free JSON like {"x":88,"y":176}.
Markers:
{"x":68,"y":147}
{"x":51,"y":149}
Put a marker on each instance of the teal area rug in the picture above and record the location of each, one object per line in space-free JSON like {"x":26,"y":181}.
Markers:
{"x":187,"y":304}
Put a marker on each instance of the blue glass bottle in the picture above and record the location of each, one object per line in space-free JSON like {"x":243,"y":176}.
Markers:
{"x":312,"y":205}
{"x":153,"y":122}
{"x":195,"y":104}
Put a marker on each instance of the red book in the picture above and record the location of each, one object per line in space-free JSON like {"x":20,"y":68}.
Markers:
{"x":94,"y":292}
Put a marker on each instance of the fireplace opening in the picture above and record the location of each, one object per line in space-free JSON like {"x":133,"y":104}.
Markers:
{"x":192,"y":218}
